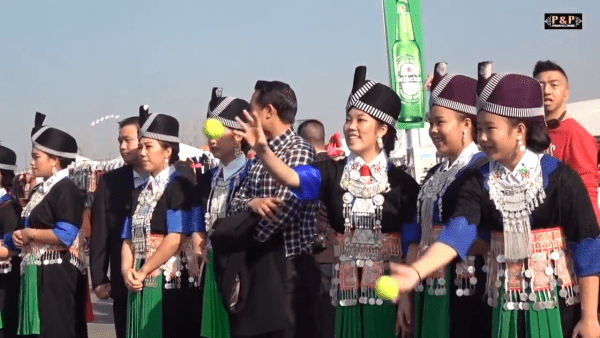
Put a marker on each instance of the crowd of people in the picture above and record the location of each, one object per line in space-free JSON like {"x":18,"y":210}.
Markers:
{"x":501,"y":238}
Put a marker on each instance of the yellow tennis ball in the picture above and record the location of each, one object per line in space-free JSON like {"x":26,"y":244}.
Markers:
{"x":386,"y":287}
{"x":213,"y":128}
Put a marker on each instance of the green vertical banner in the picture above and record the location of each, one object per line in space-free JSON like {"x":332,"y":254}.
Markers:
{"x":404,"y":40}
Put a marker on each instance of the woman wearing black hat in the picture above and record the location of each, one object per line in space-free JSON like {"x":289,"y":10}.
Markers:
{"x":457,"y":288}
{"x":52,"y":292}
{"x":530,"y":206}
{"x":10,"y":213}
{"x":164,"y":212}
{"x":369,"y":201}
{"x":217,"y":188}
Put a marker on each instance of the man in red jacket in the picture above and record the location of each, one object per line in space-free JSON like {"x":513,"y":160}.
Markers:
{"x":571,"y":143}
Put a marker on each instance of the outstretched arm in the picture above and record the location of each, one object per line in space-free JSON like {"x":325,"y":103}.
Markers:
{"x":254,"y":135}
{"x":435,"y":258}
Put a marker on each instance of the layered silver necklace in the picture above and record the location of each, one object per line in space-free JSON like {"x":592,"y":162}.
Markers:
{"x":516,"y":202}
{"x":140,"y":222}
{"x":363,"y":211}
{"x":434,"y":189}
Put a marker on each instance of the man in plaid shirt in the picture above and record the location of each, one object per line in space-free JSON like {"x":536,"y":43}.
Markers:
{"x":282,"y":212}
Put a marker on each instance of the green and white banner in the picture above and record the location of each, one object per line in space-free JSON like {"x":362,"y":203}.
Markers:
{"x":404,"y":40}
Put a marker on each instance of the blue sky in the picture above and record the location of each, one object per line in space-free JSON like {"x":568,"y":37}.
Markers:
{"x":76,"y":61}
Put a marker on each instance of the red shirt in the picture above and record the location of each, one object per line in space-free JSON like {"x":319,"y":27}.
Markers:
{"x":577,"y":148}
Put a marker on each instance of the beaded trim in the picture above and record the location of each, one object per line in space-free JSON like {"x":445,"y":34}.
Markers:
{"x":535,"y":280}
{"x":465,"y":281}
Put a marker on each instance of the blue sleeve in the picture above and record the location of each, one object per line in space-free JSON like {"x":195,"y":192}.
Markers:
{"x":8,"y":242}
{"x":65,"y":232}
{"x":310,"y":183}
{"x":197,"y":223}
{"x":459,"y":235}
{"x":185,"y":221}
{"x":411,"y":233}
{"x":585,"y":257}
{"x":126,"y":234}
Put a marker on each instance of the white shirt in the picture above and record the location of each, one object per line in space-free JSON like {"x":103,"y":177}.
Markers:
{"x":161,"y":179}
{"x":529,"y":163}
{"x":381,"y":160}
{"x":139,"y":179}
{"x":50,"y":182}
{"x":2,"y":192}
{"x":463,"y":159}
{"x":233,"y":167}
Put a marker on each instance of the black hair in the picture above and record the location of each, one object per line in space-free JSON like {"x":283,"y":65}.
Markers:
{"x":280,"y":95}
{"x":463,"y":116}
{"x":174,"y":150}
{"x":545,"y":66}
{"x":130,"y":121}
{"x":389,"y":139}
{"x":65,"y":162}
{"x":537,"y":138}
{"x":133,"y":120}
{"x":62,"y":161}
{"x":7,"y":178}
{"x":245,"y":147}
{"x":317,"y":134}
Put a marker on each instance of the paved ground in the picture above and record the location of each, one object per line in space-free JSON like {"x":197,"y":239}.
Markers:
{"x":103,"y":326}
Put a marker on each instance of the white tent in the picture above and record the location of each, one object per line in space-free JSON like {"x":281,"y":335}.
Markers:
{"x":82,"y":159}
{"x":587,"y":113}
{"x":186,"y":151}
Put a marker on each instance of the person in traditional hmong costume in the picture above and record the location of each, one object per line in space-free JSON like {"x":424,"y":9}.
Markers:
{"x":111,"y":205}
{"x":369,"y":202}
{"x":10,"y":213}
{"x":536,"y":213}
{"x":216,"y":188}
{"x":451,"y":297}
{"x":53,"y":281}
{"x":159,"y":267}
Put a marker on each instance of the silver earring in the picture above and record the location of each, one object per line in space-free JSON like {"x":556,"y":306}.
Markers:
{"x":380,"y":143}
{"x":53,"y":168}
{"x":464,"y":138}
{"x":521,"y":145}
{"x":237,"y":151}
{"x":166,"y":163}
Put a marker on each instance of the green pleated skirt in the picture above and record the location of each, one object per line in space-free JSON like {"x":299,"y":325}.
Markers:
{"x":432,"y":313}
{"x":537,"y":324}
{"x":215,"y":320}
{"x":29,"y":313}
{"x":366,"y":321}
{"x":144,"y":311}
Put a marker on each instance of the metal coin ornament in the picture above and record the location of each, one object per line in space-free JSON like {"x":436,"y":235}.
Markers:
{"x":213,"y":128}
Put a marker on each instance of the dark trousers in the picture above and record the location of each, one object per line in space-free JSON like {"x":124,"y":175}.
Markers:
{"x":120,"y":316}
{"x":326,"y":310}
{"x":303,"y":282}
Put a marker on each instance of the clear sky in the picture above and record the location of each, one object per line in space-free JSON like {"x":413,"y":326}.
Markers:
{"x":76,"y":61}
